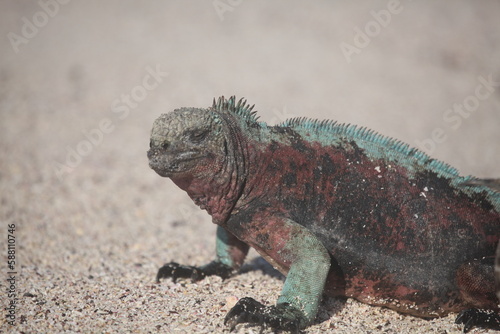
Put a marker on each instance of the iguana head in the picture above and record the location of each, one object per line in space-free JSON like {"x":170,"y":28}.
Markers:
{"x":203,"y":152}
{"x":198,"y":142}
{"x":187,"y":141}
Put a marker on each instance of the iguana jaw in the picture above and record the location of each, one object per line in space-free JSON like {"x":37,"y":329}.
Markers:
{"x":172,"y":164}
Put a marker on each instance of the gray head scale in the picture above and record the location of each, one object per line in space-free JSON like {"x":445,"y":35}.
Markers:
{"x":187,"y":142}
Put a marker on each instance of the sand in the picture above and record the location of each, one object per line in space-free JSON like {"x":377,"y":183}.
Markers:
{"x":82,"y":81}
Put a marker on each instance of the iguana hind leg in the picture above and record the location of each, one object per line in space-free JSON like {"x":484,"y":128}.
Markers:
{"x":475,"y":280}
{"x":497,"y":272}
{"x":474,"y":317}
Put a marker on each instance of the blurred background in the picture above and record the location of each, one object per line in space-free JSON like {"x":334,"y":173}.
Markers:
{"x":82,"y":81}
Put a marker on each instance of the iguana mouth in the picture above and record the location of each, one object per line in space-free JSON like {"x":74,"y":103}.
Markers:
{"x":168,"y":165}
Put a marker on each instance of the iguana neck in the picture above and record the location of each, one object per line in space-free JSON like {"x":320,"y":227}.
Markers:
{"x":209,"y":193}
{"x":259,"y":154}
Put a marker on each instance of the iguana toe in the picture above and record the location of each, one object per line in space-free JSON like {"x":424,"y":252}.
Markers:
{"x":175,"y":271}
{"x":471,"y":318}
{"x":279,"y":317}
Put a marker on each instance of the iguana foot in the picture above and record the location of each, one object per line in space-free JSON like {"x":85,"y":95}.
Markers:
{"x":282,"y":316}
{"x":471,"y":318}
{"x":175,"y":271}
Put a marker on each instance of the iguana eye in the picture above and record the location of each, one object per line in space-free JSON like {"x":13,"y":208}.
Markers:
{"x":198,"y":136}
{"x":164,"y":145}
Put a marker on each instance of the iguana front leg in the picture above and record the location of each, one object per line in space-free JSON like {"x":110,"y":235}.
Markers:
{"x":296,"y":252}
{"x":230,"y":252}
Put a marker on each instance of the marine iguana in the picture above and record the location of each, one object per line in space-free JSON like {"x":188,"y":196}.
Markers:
{"x":340,"y":210}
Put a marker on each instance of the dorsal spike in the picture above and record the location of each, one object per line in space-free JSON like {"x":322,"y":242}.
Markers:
{"x":240,"y":108}
{"x":368,"y":139}
{"x":241,"y":103}
{"x":220,"y":102}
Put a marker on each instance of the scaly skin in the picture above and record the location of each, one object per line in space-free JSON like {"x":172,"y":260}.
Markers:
{"x":338,"y":209}
{"x":494,"y":184}
{"x":483,"y":318}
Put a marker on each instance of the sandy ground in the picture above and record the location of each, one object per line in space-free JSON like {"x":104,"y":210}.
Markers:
{"x":82,"y":81}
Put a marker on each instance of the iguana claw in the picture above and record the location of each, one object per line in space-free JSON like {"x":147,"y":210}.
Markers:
{"x":471,"y":318}
{"x":282,"y":316}
{"x":175,"y":271}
